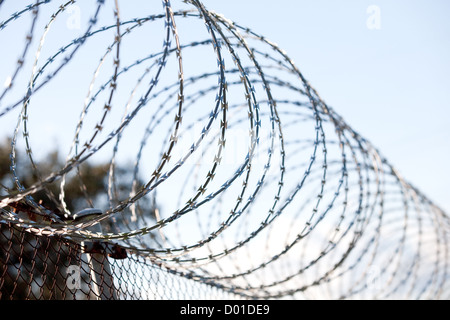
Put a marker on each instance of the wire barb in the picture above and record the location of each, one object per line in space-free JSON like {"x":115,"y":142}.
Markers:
{"x":243,"y":179}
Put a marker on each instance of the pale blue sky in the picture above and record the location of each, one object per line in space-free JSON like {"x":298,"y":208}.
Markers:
{"x":392,"y":85}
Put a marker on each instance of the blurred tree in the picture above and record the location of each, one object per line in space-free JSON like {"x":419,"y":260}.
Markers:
{"x":34,"y":267}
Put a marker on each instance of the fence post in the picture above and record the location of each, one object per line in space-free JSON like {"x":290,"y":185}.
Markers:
{"x":97,"y":259}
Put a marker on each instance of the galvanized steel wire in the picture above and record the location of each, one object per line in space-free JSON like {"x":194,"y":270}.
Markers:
{"x":260,"y":188}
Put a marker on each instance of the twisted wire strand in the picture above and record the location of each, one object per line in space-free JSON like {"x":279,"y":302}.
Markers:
{"x":304,"y":207}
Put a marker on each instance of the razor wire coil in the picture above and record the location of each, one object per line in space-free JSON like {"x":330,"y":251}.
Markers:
{"x":273,"y":196}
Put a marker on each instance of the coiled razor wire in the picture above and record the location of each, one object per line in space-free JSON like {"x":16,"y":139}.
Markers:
{"x":258,"y":186}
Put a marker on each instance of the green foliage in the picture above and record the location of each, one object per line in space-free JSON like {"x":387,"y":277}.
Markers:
{"x":34,"y":267}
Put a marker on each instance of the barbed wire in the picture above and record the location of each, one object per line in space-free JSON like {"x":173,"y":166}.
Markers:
{"x":258,"y":186}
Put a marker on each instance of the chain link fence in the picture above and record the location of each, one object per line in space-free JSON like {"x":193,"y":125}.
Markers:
{"x":52,"y":268}
{"x":200,"y":164}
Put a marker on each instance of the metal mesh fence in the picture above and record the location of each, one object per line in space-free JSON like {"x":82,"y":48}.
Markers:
{"x":47,"y":268}
{"x":243,"y":183}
